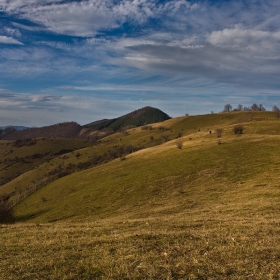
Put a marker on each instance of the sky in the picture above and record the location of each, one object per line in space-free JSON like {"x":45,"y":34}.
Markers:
{"x":87,"y":60}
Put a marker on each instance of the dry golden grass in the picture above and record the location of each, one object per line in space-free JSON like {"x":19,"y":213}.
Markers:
{"x":205,"y":245}
{"x":206,"y":211}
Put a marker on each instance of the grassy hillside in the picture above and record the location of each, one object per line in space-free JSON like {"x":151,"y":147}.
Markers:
{"x":206,"y":211}
{"x":18,"y":157}
{"x":48,"y":159}
{"x":165,"y":179}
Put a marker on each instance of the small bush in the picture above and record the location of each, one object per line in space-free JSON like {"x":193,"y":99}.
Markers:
{"x":179,"y":144}
{"x":123,"y":157}
{"x":219,"y":132}
{"x":147,"y":127}
{"x":162,"y":128}
{"x":165,"y":136}
{"x":179,"y":135}
{"x":238,"y":129}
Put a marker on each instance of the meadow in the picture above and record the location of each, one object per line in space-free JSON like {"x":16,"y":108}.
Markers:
{"x":207,"y":210}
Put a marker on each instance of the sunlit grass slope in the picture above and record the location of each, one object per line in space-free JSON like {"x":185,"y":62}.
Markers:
{"x":19,"y":160}
{"x":207,"y":211}
{"x":36,"y":159}
{"x":164,"y":180}
{"x":18,"y":157}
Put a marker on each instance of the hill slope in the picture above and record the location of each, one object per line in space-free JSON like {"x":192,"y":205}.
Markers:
{"x":206,"y":211}
{"x":158,"y":173}
{"x":60,"y":130}
{"x":48,"y":164}
{"x":20,"y":156}
{"x":144,"y":116}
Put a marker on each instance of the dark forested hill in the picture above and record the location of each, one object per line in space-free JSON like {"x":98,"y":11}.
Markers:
{"x":144,"y":116}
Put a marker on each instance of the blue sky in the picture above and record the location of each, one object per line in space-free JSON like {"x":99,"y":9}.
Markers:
{"x":88,"y":60}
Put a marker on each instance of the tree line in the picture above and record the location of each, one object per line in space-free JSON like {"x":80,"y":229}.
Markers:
{"x":253,"y":107}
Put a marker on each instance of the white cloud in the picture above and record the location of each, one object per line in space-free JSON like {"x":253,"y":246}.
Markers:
{"x":9,"y":40}
{"x":250,"y":39}
{"x":8,"y":5}
{"x":86,"y":18}
{"x":26,"y":27}
{"x":12,"y":31}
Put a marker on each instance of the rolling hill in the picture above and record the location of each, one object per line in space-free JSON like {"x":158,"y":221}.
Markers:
{"x":217,"y":159}
{"x":144,"y":116}
{"x":183,"y":203}
{"x":60,"y":130}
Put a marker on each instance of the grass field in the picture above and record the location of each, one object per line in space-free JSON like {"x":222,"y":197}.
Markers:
{"x":206,"y":245}
{"x":207,"y":211}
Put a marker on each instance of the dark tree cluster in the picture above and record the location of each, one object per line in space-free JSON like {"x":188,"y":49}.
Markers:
{"x":5,"y":209}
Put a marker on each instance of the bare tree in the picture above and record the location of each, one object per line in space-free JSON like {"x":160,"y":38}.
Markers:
{"x":219,"y":132}
{"x":276,"y":110}
{"x":239,"y":107}
{"x":255,"y":107}
{"x":227,"y":108}
{"x":261,"y":108}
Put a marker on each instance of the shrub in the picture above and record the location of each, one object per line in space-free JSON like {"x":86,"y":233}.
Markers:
{"x":238,"y":129}
{"x":165,"y":136}
{"x":179,"y":144}
{"x":162,"y":128}
{"x":219,"y":132}
{"x":179,"y":135}
{"x":147,"y":127}
{"x":123,"y":157}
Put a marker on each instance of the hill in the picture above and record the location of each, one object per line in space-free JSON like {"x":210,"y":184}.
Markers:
{"x":207,"y":209}
{"x":6,"y":131}
{"x":93,"y":130}
{"x":60,"y":130}
{"x":20,"y":156}
{"x":144,"y":116}
{"x":215,"y":159}
{"x":13,"y":126}
{"x":50,"y":159}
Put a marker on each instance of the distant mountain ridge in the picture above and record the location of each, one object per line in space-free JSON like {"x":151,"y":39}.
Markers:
{"x":143,"y":116}
{"x":16,"y":127}
{"x":61,"y":130}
